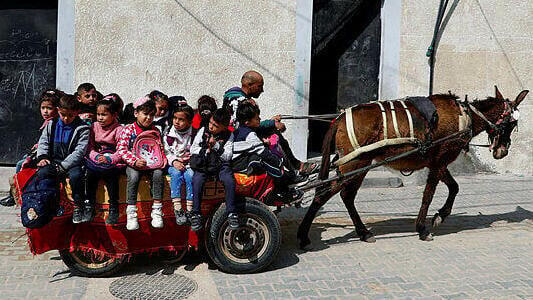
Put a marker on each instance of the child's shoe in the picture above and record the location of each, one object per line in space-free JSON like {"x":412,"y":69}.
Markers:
{"x":196,"y":222}
{"x":112,"y":218}
{"x":88,"y":212}
{"x":77,"y":215}
{"x":157,"y":215}
{"x":131,"y":214}
{"x":234,"y":221}
{"x":181,"y":217}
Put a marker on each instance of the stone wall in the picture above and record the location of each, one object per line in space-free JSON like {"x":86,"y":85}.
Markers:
{"x":484,"y":43}
{"x":189,"y":48}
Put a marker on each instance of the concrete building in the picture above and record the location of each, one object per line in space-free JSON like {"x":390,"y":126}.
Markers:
{"x":191,"y":48}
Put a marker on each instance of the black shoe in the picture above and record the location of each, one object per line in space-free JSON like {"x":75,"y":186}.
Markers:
{"x":88,"y":212}
{"x":181,"y":217}
{"x":295,"y":195}
{"x":234,"y":221}
{"x":7,"y":201}
{"x":299,"y":180}
{"x":112,"y":218}
{"x":196,"y":222}
{"x":77,"y":215}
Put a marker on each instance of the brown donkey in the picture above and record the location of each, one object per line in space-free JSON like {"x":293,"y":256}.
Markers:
{"x":497,"y":116}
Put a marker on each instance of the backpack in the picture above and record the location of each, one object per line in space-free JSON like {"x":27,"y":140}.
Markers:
{"x":99,"y":167}
{"x":148,"y":146}
{"x":40,"y":200}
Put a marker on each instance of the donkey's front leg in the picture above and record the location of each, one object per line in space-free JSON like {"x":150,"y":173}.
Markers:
{"x":431,"y":184}
{"x":446,"y":210}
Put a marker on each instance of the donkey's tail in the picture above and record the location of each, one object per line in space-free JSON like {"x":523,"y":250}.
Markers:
{"x":327,"y":146}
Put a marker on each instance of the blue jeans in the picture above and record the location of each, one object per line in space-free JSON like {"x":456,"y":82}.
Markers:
{"x":176,"y":179}
{"x":19,"y":163}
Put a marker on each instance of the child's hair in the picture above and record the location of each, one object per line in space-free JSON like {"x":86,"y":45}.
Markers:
{"x":115,"y":98}
{"x":206,"y":105}
{"x":68,"y":102}
{"x":187,"y":110}
{"x":51,"y":95}
{"x":246,"y":111}
{"x":147,"y":107}
{"x":112,"y":106}
{"x":222,"y":116}
{"x":85,"y":87}
{"x":157,"y":96}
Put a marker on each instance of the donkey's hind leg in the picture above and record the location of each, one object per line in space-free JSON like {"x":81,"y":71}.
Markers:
{"x":348,"y":194}
{"x":322,"y":195}
{"x":446,"y":210}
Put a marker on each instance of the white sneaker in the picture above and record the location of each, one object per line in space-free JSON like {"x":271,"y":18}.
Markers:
{"x":157,"y":215}
{"x":131,"y":214}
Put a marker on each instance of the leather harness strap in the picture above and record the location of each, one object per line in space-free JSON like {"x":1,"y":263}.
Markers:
{"x":384,"y":117}
{"x":410,"y":119}
{"x":394,"y":120}
{"x":350,"y":129}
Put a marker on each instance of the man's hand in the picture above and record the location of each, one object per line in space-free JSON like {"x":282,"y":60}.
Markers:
{"x":43,"y":162}
{"x":141,"y":162}
{"x":276,"y":118}
{"x":178,"y":165}
{"x":280,"y":126}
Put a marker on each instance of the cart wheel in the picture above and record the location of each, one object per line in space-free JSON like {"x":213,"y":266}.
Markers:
{"x":87,"y":264}
{"x":172,"y":257}
{"x":248,"y":249}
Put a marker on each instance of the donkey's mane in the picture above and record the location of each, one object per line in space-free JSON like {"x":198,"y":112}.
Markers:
{"x":447,"y":96}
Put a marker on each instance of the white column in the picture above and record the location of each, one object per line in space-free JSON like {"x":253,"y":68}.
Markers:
{"x":65,"y":79}
{"x":304,"y":30}
{"x":389,"y":69}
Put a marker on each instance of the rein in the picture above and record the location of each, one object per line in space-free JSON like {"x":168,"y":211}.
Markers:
{"x":324,"y":118}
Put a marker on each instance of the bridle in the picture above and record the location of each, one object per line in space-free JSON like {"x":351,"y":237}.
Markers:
{"x":506,"y":122}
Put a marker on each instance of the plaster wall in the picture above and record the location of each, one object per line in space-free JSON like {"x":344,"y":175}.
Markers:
{"x":484,"y":43}
{"x":192,"y":48}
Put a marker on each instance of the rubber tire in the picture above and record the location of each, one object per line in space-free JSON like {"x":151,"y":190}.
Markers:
{"x":258,"y":211}
{"x":73,"y":261}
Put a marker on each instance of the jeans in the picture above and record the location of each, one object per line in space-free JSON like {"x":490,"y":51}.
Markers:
{"x":176,"y":179}
{"x":226,"y":176}
{"x":134,"y":176}
{"x":110,"y":178}
{"x":19,"y":163}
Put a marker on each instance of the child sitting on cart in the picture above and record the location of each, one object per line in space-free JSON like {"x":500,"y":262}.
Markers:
{"x":211,"y":153}
{"x":251,"y":156}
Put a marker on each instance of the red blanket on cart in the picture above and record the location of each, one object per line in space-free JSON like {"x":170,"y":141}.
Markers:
{"x":101,"y":239}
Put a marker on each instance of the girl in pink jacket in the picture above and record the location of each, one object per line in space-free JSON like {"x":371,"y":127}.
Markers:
{"x":103,"y":161}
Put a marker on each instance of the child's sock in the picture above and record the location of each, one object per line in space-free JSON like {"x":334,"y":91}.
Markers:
{"x":189,"y":205}
{"x":177,"y":203}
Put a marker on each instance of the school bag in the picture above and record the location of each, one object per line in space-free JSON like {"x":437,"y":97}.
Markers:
{"x":40,"y":199}
{"x":148,"y":146}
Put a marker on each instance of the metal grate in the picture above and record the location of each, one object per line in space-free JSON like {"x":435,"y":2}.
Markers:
{"x":157,"y":286}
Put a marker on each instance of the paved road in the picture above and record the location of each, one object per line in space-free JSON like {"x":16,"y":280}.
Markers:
{"x":483,"y":250}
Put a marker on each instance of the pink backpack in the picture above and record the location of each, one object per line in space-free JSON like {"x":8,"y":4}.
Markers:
{"x":148,"y":146}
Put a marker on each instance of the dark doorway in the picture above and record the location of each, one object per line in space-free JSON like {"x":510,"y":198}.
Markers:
{"x":28,"y":34}
{"x":345,"y":59}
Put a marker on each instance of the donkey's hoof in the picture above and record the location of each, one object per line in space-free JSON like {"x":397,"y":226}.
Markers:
{"x":436,"y":221}
{"x":368,"y":237}
{"x":426,"y":237}
{"x":304,"y":242}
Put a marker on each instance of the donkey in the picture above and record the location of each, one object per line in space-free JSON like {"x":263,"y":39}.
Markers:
{"x":495,"y":115}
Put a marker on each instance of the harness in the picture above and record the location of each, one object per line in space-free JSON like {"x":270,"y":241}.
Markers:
{"x":397,"y":140}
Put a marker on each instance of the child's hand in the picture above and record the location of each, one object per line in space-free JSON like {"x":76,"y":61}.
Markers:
{"x":43,"y":162}
{"x":211,"y":141}
{"x":276,"y":118}
{"x":141,"y":162}
{"x":178,"y":165}
{"x":266,"y":141}
{"x":101,"y":159}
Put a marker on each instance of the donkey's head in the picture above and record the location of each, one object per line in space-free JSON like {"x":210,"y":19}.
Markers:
{"x":500,"y":135}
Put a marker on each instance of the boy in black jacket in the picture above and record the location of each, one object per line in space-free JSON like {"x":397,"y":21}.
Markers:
{"x":251,"y":156}
{"x":211,"y":153}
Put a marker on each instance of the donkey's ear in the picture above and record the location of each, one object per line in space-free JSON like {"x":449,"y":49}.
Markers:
{"x":519,"y":98}
{"x":498,"y":94}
